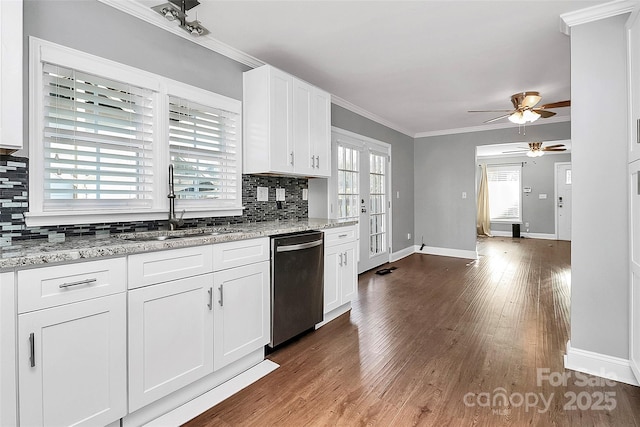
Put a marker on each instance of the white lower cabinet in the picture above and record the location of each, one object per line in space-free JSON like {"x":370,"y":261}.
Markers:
{"x":72,"y":363}
{"x":241,"y":314}
{"x":340,"y":270}
{"x":170,"y":337}
{"x":340,"y":276}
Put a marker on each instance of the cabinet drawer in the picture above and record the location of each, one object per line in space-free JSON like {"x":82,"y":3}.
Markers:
{"x":336,"y":236}
{"x":62,"y":284}
{"x":162,"y":266}
{"x":241,"y":252}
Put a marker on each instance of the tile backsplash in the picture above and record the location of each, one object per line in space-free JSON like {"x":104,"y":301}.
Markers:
{"x":14,"y":192}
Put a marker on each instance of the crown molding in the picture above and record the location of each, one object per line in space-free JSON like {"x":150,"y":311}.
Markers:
{"x":556,"y":119}
{"x":369,"y":115}
{"x":146,"y":14}
{"x":596,"y":13}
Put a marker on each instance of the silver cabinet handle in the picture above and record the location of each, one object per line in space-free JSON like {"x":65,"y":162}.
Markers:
{"x":313,"y":161}
{"x":298,"y":247}
{"x":341,"y":260}
{"x":341,"y":236}
{"x":221,"y":300}
{"x":210,"y":303}
{"x":318,"y":162}
{"x":78,"y":283}
{"x":291,"y":158}
{"x":345,"y":258}
{"x":32,"y":350}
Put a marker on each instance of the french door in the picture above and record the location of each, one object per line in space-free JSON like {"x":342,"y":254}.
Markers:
{"x":363,"y":187}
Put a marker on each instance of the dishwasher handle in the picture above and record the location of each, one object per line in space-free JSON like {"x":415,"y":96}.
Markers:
{"x":298,"y":247}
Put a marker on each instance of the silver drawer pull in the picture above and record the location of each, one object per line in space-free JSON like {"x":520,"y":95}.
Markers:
{"x":345,"y":258}
{"x":221,"y":300}
{"x":210,"y":304}
{"x":342,"y":235}
{"x":78,"y":283}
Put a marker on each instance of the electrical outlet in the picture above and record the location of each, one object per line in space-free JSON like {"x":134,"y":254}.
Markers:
{"x":408,"y":236}
{"x":526,"y":224}
{"x":305,"y":194}
{"x":262,"y":194}
{"x":280,"y":194}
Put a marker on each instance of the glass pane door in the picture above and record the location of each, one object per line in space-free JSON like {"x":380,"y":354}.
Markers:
{"x":348,"y":183}
{"x":377,"y":205}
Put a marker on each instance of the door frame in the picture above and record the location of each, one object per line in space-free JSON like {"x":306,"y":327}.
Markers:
{"x":363,"y":142}
{"x":555,"y":195}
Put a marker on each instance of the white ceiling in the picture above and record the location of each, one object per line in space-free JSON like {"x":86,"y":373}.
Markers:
{"x":417,"y":65}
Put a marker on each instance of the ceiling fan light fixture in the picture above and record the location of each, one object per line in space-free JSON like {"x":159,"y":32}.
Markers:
{"x":530,"y":116}
{"x":518,"y":118}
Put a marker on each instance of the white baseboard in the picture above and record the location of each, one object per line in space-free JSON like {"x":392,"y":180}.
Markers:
{"x":332,"y":315}
{"x":544,"y":236}
{"x":200,"y":404}
{"x":395,"y":256}
{"x":601,"y":365}
{"x":455,"y":253}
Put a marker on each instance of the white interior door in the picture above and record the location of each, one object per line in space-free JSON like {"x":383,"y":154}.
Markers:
{"x":374,"y":210}
{"x":563,"y":200}
{"x":634,"y":221}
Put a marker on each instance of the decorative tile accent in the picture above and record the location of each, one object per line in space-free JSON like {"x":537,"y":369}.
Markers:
{"x":14,"y":190}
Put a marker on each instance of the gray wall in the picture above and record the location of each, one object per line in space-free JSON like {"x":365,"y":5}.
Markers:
{"x":445,"y":166}
{"x":600,"y":228}
{"x":101,"y":30}
{"x":539,"y":174}
{"x":401,"y":169}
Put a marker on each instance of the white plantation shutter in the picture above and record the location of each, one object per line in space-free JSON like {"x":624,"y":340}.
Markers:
{"x":204,"y":145}
{"x":97,"y":142}
{"x":504,"y":192}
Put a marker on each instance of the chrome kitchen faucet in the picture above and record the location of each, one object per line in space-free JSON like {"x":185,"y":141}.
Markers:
{"x":174,"y":222}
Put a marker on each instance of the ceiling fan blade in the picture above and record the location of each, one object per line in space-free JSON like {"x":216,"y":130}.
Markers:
{"x":489,"y":111}
{"x":544,"y":113}
{"x":558,"y":104}
{"x":497,"y":118}
{"x":523,"y":150}
{"x":554,"y":149}
{"x":554,"y":146}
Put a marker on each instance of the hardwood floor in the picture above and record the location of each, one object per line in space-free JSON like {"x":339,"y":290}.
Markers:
{"x":441,"y":341}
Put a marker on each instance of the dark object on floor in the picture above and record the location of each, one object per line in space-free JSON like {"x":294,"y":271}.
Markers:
{"x":385,"y":270}
{"x":515,"y":231}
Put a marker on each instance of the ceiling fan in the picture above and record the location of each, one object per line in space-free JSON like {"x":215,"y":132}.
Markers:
{"x":525,"y":110}
{"x":536,"y":149}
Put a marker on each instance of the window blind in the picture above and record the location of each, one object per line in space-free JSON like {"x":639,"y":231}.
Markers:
{"x":504,"y":191}
{"x":203,"y":147}
{"x":97,"y":141}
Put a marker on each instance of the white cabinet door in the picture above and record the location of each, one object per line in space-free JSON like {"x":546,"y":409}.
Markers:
{"x":305,"y":160}
{"x":72,"y":363}
{"x":242,"y":311}
{"x":332,"y":277}
{"x":348,"y":273}
{"x":11,"y":75}
{"x":280,"y":146}
{"x":170,"y":337}
{"x":321,"y":132}
{"x":340,"y":275}
{"x":634,"y":221}
{"x":634,"y":89}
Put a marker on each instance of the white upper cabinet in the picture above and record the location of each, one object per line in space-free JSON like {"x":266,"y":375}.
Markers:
{"x":634,"y":88}
{"x":287,"y":125}
{"x":10,"y":75}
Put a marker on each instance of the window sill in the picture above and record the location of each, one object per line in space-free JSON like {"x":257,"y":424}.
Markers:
{"x":506,"y":221}
{"x":85,"y":217}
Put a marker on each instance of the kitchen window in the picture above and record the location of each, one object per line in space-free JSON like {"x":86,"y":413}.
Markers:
{"x":102,"y":135}
{"x":505,"y":192}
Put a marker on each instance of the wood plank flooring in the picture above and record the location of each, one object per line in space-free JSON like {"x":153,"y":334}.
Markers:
{"x":441,"y":341}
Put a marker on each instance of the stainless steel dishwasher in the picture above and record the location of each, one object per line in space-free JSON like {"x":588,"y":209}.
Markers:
{"x":297,"y":284}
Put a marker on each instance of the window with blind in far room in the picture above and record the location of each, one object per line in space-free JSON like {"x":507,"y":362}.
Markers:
{"x":505,"y":192}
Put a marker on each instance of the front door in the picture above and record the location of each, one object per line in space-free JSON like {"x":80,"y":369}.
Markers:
{"x":563,"y":200}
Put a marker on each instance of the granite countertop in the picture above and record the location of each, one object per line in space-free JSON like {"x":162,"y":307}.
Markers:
{"x":38,"y":252}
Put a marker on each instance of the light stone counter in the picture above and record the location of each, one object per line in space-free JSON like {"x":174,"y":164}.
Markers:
{"x":40,"y":251}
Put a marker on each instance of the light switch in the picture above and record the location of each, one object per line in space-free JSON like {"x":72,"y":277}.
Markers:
{"x":263,"y":194}
{"x":279,"y":194}
{"x":542,"y":196}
